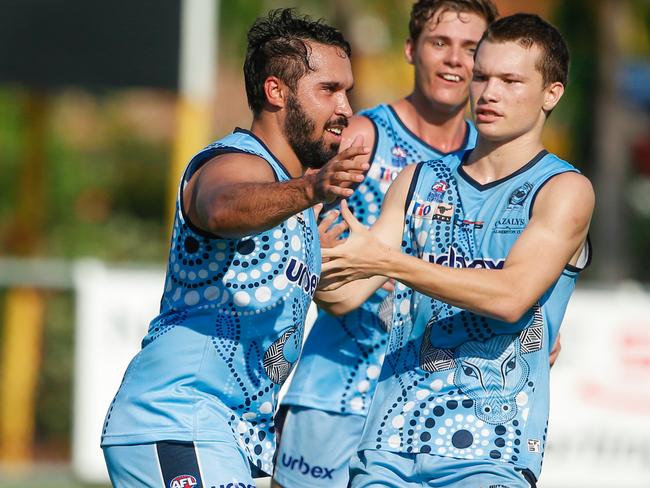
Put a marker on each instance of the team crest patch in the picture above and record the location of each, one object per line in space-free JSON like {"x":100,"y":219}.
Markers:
{"x":520,"y":194}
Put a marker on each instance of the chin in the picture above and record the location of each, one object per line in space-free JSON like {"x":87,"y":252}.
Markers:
{"x":449,"y":103}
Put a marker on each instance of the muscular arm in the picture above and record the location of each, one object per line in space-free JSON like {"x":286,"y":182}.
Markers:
{"x":236,"y":194}
{"x":553,"y":238}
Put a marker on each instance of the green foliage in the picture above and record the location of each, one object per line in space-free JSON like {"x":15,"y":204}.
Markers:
{"x":54,"y":409}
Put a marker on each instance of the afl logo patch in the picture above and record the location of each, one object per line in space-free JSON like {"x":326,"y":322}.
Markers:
{"x":183,"y":481}
{"x":398,"y":156}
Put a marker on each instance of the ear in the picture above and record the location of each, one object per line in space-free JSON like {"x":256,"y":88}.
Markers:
{"x":276,"y":91}
{"x":409,"y":50}
{"x":552,"y":95}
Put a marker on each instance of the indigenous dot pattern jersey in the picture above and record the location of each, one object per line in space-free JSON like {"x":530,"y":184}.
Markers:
{"x":455,"y":383}
{"x":229,"y":331}
{"x":342,"y":357}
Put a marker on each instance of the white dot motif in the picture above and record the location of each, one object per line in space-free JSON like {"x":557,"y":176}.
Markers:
{"x":192,"y":298}
{"x":263,"y":294}
{"x":241,"y":298}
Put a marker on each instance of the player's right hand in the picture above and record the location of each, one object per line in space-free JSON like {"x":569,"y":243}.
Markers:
{"x":334,"y":180}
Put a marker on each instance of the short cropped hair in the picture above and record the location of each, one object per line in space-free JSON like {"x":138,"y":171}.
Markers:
{"x":529,"y":30}
{"x":278,"y":45}
{"x":424,"y":10}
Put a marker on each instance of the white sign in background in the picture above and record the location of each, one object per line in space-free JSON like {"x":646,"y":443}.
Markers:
{"x":599,"y":429}
{"x":113,"y":310}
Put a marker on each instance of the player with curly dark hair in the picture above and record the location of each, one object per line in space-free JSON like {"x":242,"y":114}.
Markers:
{"x":196,"y":404}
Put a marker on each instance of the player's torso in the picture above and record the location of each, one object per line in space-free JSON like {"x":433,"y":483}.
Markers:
{"x":343,"y":355}
{"x":455,"y":383}
{"x":230,"y":327}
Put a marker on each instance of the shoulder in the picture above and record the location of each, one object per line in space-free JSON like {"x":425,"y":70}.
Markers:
{"x":238,"y":166}
{"x":359,"y":125}
{"x":570,"y":194}
{"x":405,"y":177}
{"x":569,"y":185}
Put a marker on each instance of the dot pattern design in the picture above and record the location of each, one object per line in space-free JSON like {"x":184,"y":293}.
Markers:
{"x":250,"y":297}
{"x":359,"y":339}
{"x":458,"y":384}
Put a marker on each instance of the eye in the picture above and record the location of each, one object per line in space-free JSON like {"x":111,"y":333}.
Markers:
{"x":439,"y":43}
{"x":510,"y":365}
{"x":469,"y":372}
{"x":478,"y":77}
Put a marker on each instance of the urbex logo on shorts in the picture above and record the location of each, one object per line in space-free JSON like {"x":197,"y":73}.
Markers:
{"x":304,"y":468}
{"x":183,"y":481}
{"x":298,"y":273}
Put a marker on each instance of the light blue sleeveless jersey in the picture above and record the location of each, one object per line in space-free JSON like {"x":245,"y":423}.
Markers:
{"x":455,"y":383}
{"x":342,"y":357}
{"x":229,"y":330}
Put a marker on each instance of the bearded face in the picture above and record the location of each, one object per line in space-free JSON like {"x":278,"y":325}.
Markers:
{"x":306,"y":139}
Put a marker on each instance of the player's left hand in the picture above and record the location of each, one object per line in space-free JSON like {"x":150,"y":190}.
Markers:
{"x":330,"y":235}
{"x":355,"y":259}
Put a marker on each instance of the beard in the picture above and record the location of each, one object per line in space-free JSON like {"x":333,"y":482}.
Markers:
{"x":297,"y":128}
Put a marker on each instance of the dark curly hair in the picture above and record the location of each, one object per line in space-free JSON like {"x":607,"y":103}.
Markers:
{"x":423,"y":10}
{"x":278,"y":45}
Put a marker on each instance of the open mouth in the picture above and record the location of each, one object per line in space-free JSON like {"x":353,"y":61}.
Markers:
{"x":450,"y":77}
{"x":337,"y":131}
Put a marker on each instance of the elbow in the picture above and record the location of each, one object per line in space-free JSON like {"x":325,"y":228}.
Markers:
{"x":510,"y":310}
{"x":336,"y":308}
{"x":219,"y":224}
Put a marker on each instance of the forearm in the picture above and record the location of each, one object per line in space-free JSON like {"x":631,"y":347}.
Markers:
{"x":349,"y":296}
{"x":248,"y":208}
{"x":499,"y":294}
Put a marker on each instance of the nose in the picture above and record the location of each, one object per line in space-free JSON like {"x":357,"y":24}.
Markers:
{"x":343,"y":107}
{"x":490,"y":91}
{"x":452,"y":56}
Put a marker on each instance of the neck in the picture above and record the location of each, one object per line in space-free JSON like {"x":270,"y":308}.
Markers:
{"x":441,"y":127}
{"x":493,"y":160}
{"x":269,"y":129}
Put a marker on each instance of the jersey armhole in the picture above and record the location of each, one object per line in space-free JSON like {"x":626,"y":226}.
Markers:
{"x":194,"y":165}
{"x":584,"y":260}
{"x":412,"y":186}
{"x":373,"y":152}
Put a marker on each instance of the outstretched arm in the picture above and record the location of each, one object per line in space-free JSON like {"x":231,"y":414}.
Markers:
{"x":342,"y":297}
{"x":553,"y":238}
{"x":236,"y":194}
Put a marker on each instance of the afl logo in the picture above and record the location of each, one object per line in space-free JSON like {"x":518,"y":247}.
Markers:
{"x":398,"y":156}
{"x":183,"y":481}
{"x":440,"y":187}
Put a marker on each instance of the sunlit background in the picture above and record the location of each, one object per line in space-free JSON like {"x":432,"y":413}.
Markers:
{"x":101,"y":105}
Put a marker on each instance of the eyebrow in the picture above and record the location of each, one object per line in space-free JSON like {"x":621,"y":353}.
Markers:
{"x":464,"y":42}
{"x":335,"y":85}
{"x":476,"y":71}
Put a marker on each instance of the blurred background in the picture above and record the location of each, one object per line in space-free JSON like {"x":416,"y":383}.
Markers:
{"x":101,"y":105}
